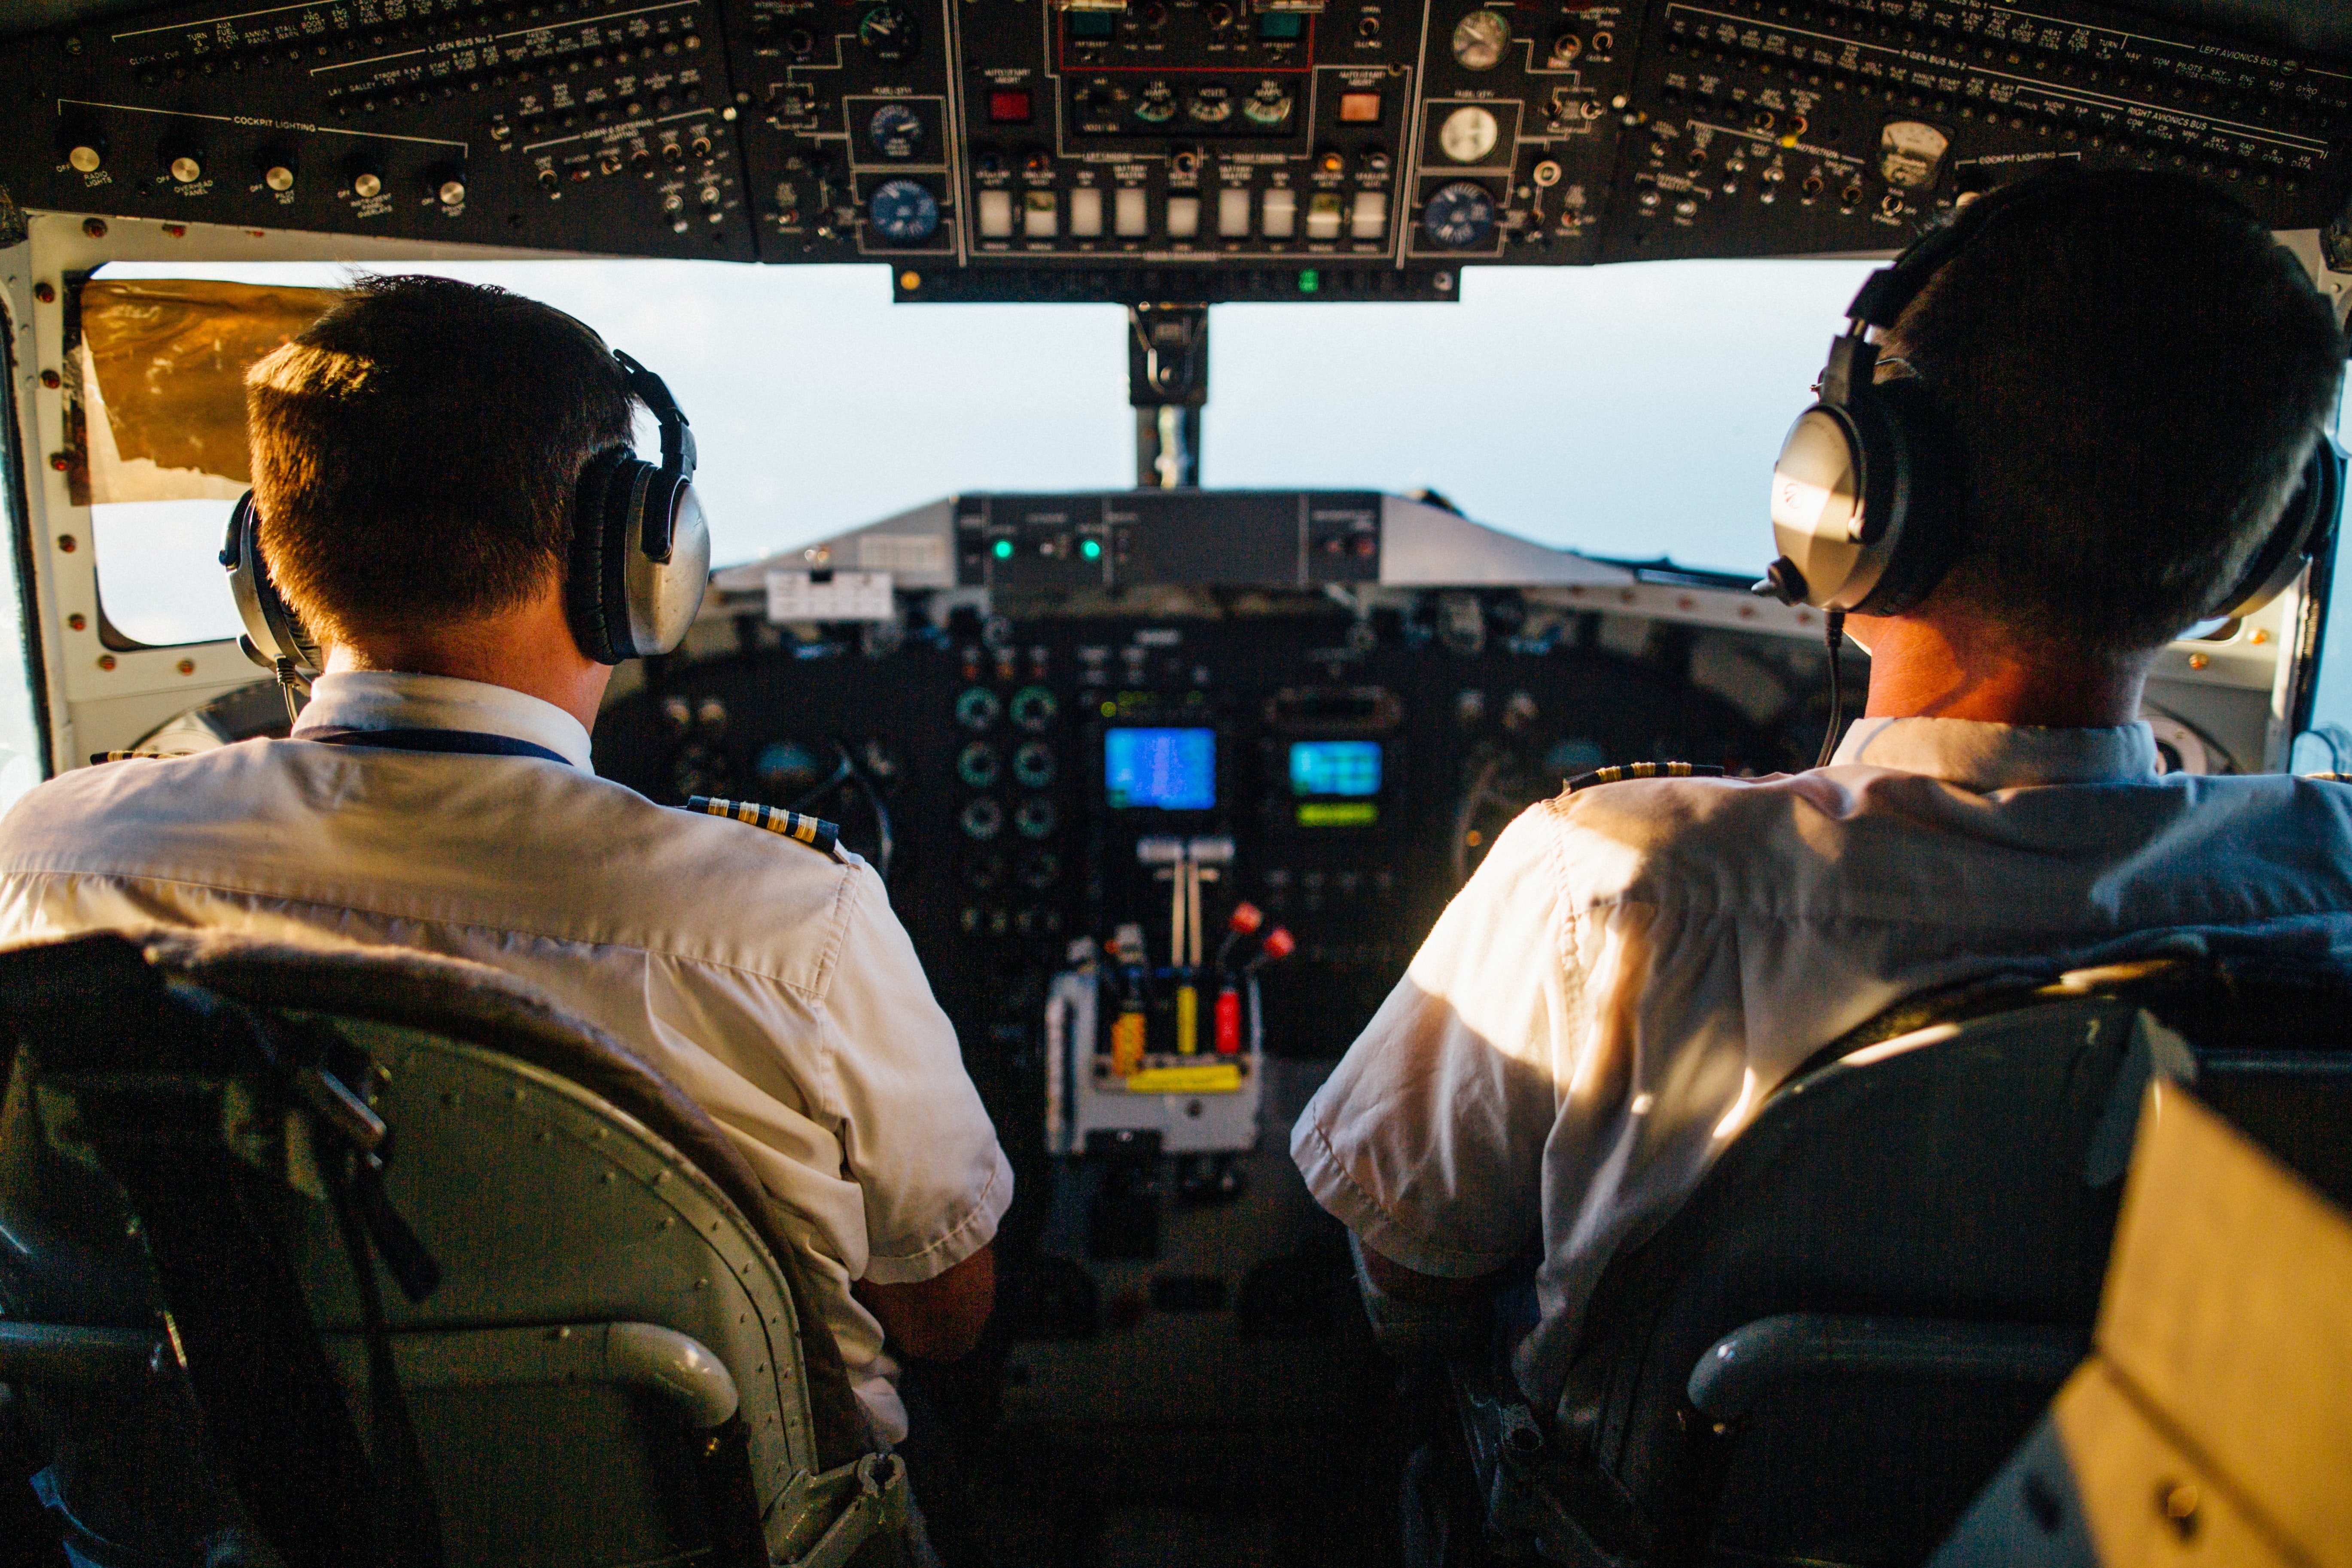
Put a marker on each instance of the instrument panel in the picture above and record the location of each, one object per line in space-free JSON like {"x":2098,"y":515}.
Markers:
{"x":1140,"y":150}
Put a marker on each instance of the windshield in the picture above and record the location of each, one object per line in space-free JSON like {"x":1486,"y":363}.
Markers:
{"x":1625,"y":411}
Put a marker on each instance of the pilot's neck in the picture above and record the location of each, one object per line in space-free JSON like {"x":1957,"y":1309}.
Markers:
{"x":529,"y":648}
{"x":1956,"y":665}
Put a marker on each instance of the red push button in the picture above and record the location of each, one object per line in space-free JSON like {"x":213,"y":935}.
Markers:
{"x":1360,"y":109}
{"x":1009,"y":106}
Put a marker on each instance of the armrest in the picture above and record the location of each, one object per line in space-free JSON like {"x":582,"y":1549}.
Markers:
{"x":50,"y":1356}
{"x":640,"y":1356}
{"x":1747,"y":1363}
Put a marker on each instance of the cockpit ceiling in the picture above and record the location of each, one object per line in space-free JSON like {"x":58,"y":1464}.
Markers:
{"x":1156,"y":150}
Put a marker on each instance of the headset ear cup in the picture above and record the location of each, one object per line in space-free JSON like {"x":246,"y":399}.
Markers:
{"x":1914,"y":476}
{"x":2301,"y":533}
{"x":272,"y":628}
{"x":585,"y":601}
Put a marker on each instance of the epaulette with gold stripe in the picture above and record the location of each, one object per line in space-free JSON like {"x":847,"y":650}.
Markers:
{"x":1624,"y":771}
{"x":815,"y":831}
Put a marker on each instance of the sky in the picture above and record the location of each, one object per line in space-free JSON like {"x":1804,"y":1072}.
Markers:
{"x":1630,"y":410}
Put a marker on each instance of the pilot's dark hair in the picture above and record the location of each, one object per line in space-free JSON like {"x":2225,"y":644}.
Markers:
{"x":414,"y":452}
{"x":2136,"y":372}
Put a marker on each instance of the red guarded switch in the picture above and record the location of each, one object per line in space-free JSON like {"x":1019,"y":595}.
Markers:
{"x":1229,"y":1022}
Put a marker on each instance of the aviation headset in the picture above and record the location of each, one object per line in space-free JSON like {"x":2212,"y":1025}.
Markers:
{"x":640,"y":551}
{"x":1866,"y":491}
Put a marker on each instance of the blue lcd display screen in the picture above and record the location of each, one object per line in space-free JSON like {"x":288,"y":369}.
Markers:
{"x":1172,"y":769}
{"x":1348,"y":768}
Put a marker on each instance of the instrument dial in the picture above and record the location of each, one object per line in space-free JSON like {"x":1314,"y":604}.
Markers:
{"x":979,"y":708}
{"x":1460,"y":217}
{"x":890,"y":32}
{"x":1480,"y":39}
{"x":1268,"y":104}
{"x":896,"y":131}
{"x":1156,"y":104}
{"x":904,"y":213}
{"x":1213,"y":104}
{"x":1469,"y":134}
{"x":977,"y":764}
{"x":1033,"y":708}
{"x":1911,"y":154}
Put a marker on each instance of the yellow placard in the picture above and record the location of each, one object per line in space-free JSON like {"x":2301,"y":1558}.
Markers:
{"x":1209,"y":1077}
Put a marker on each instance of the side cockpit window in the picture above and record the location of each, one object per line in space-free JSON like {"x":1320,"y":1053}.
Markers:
{"x":158,"y":405}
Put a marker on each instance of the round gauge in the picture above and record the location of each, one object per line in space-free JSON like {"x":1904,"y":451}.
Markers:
{"x":978,"y":708}
{"x":981,"y":818}
{"x":1459,"y":216}
{"x":1035,"y":818}
{"x":976,"y":765}
{"x":1480,"y":39}
{"x":1212,"y":105}
{"x":1911,"y":153}
{"x":1033,"y":708}
{"x":889,"y":31}
{"x":896,"y":131}
{"x":1156,"y":104}
{"x":1032,"y":764}
{"x":904,"y":213}
{"x":1270,"y":104}
{"x":1469,"y":134}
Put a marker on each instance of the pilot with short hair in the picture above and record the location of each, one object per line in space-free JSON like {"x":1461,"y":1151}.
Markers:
{"x":416,"y":455}
{"x":2133,"y":376}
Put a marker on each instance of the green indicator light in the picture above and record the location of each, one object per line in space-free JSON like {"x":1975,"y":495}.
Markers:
{"x":1110,"y":710}
{"x":1309,"y":281}
{"x":1091,"y":549}
{"x":1004,"y":550}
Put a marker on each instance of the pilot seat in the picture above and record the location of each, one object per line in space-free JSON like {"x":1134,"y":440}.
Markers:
{"x":1874,"y":1293}
{"x":322,"y":1256}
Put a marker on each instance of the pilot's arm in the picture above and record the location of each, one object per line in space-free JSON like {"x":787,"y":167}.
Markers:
{"x":916,"y":1138}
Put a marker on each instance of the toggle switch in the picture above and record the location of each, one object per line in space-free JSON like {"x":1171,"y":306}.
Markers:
{"x":1370,"y":220}
{"x":1041,"y":215}
{"x":1085,"y":213}
{"x":1323,"y":216}
{"x":1183,"y":216}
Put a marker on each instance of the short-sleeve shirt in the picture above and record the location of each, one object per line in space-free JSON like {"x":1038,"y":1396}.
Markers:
{"x":1599,"y":1010}
{"x":768,"y":981}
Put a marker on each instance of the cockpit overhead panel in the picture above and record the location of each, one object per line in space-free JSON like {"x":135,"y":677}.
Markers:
{"x":1129,"y":150}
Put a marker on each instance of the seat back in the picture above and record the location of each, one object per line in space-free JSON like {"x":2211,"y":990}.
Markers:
{"x":1878,"y":1284}
{"x":622,"y":1348}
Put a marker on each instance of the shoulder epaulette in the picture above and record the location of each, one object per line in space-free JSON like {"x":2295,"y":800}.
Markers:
{"x":815,"y":831}
{"x":97,"y":757}
{"x":2329,"y":778}
{"x":1624,"y":771}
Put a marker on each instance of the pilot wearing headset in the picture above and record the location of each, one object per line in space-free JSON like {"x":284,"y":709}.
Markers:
{"x":2094,"y":413}
{"x":449,"y":528}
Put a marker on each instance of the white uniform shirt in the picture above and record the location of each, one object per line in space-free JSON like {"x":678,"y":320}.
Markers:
{"x":769,"y":982}
{"x":1600,"y":1009}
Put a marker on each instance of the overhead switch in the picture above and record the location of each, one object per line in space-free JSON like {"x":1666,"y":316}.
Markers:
{"x":1183,"y":216}
{"x":996,"y":215}
{"x":1278,"y":213}
{"x":1323,"y":216}
{"x":1085,"y":213}
{"x":1132,"y":218}
{"x":1041,"y":215}
{"x":1232,"y":213}
{"x":1370,"y":220}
